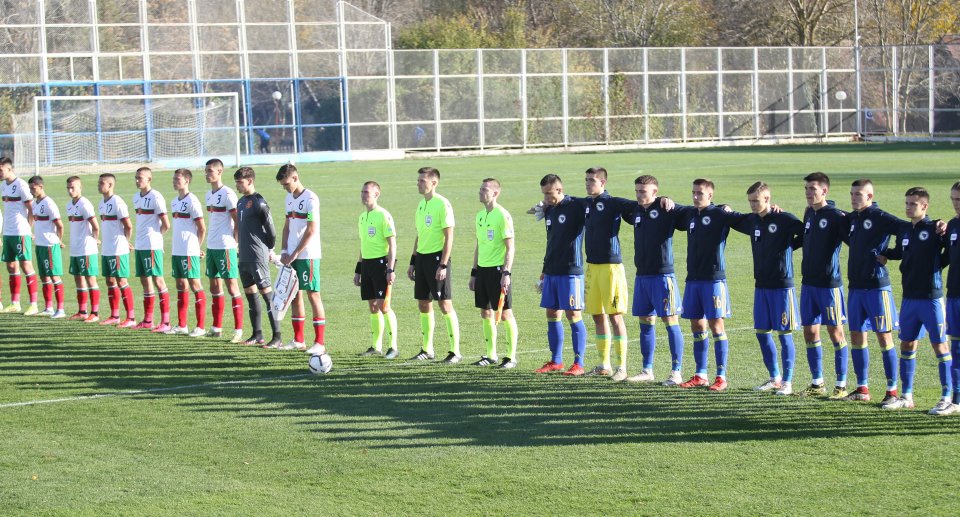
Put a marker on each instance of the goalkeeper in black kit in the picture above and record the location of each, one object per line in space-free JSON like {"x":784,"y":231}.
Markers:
{"x":257,"y":236}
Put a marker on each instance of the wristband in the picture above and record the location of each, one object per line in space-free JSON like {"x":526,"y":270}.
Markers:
{"x":473,"y":272}
{"x":389,"y":271}
{"x":413,"y":259}
{"x":357,"y":269}
{"x":504,"y":273}
{"x":443,"y":266}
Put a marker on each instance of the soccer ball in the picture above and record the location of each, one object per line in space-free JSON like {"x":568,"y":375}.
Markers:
{"x":320,"y":364}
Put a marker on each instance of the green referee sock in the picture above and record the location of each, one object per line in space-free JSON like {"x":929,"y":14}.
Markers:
{"x":391,"y":319}
{"x":490,"y":337}
{"x":376,"y":330}
{"x":513,"y":332}
{"x":453,"y":331}
{"x":426,"y":327}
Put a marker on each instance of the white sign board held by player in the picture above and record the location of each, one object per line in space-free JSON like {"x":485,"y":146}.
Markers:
{"x":284,"y":289}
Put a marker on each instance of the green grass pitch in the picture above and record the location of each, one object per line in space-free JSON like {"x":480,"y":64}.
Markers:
{"x":134,"y":423}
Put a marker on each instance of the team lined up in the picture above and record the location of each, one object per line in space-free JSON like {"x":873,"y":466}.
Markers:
{"x":579,"y":230}
{"x":239,"y":242}
{"x":924,"y":247}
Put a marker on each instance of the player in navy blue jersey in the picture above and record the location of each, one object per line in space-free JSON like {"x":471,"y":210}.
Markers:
{"x":821,"y":299}
{"x":655,"y":289}
{"x":605,"y":280}
{"x":920,"y":251}
{"x":706,"y":301}
{"x":870,"y":305}
{"x":953,"y":296}
{"x":773,"y":237}
{"x":561,"y":281}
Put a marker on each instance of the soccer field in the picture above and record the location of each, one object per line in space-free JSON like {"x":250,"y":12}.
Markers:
{"x":98,"y":421}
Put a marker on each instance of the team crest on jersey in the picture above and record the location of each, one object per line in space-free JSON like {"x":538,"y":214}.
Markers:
{"x":249,"y":204}
{"x":654,"y":214}
{"x":600,"y":206}
{"x":823,"y":223}
{"x":867,"y":224}
{"x":428,"y":220}
{"x":706,"y":220}
{"x":371,"y":231}
{"x":772,"y":228}
{"x":489,"y":235}
{"x":924,"y":235}
{"x":562,"y":219}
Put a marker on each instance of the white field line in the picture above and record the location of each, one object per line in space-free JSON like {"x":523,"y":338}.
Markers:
{"x":130,"y":393}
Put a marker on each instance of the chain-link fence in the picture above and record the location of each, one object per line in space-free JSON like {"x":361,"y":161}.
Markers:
{"x":317,"y":75}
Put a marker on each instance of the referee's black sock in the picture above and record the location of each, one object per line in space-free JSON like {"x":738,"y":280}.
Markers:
{"x":253,"y":304}
{"x":274,"y":326}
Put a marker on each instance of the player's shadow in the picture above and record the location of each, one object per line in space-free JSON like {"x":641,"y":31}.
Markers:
{"x":375,"y":403}
{"x":433,"y":405}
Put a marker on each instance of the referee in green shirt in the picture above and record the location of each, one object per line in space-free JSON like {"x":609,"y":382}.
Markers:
{"x":374,"y":273}
{"x":490,"y":277}
{"x":430,"y":265}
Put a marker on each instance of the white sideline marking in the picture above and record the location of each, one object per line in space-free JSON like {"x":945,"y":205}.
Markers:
{"x":129,"y":393}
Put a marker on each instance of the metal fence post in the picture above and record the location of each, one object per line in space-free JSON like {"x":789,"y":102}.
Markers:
{"x":756,"y":93}
{"x":932,"y":90}
{"x":683,"y":94}
{"x":566,"y":99}
{"x":480,"y":111}
{"x":720,"y":130}
{"x":436,"y":99}
{"x":606,"y":96}
{"x":646,"y":97}
{"x":523,"y":94}
{"x":790,"y":87}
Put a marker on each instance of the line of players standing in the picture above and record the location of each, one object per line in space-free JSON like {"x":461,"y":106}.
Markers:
{"x":924,"y":247}
{"x":239,"y":242}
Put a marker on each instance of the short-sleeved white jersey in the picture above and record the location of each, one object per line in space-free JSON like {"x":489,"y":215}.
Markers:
{"x":15,"y":194}
{"x":112,"y":212}
{"x":79,"y":213}
{"x":221,"y":205}
{"x":45,"y":212}
{"x":302,"y":211}
{"x":149,"y":207}
{"x":185,"y":213}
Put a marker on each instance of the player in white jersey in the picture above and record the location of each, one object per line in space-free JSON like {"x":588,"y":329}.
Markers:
{"x":116,"y":230}
{"x":222,"y":268}
{"x":152,"y":223}
{"x":188,"y":233}
{"x":301,"y":250}
{"x":17,"y":243}
{"x":84,"y":263}
{"x":48,"y":227}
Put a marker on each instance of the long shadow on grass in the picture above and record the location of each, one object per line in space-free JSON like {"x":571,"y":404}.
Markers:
{"x":430,"y":405}
{"x":373,"y":403}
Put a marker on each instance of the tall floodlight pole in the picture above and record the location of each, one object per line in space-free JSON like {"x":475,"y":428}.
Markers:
{"x":856,"y":65}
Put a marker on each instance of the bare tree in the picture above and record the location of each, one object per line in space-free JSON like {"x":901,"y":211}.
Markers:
{"x":898,"y":28}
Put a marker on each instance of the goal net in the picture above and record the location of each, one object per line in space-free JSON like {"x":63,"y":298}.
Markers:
{"x":82,"y":134}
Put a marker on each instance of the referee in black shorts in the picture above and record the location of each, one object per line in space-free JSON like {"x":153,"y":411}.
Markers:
{"x":430,"y":263}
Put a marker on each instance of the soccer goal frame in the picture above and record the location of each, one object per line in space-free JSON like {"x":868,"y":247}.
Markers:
{"x":44,"y":136}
